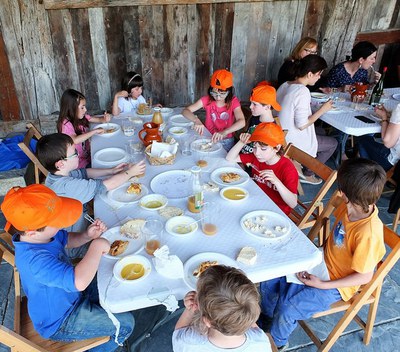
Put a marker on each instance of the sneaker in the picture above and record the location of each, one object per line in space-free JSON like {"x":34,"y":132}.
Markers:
{"x":283,"y":348}
{"x":312,"y":180}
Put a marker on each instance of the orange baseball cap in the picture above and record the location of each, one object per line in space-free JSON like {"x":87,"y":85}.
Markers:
{"x":268,"y":133}
{"x":221,"y":79}
{"x":265,"y":94}
{"x":263,"y":83}
{"x":36,"y":206}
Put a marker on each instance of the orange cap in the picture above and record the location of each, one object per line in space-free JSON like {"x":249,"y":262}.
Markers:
{"x":268,"y":133}
{"x":265,"y":94}
{"x":36,"y":206}
{"x":263,"y":83}
{"x":221,"y":79}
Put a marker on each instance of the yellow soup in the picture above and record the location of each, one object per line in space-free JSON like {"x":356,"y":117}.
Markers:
{"x":153,"y":204}
{"x":132,"y":271}
{"x":234,"y":194}
{"x":182,"y":229}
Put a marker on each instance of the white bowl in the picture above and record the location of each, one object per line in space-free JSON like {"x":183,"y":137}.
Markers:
{"x":177,"y":131}
{"x":171,"y":225}
{"x":146,"y":201}
{"x":131,"y":259}
{"x":234,"y":190}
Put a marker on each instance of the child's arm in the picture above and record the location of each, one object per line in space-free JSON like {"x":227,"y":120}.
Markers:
{"x":288,"y":197}
{"x":115,"y":110}
{"x":233,"y":154}
{"x":186,"y":318}
{"x":100,"y":172}
{"x":83,"y":137}
{"x":105,"y":118}
{"x":188,"y":112}
{"x":314,"y":117}
{"x":239,"y":123}
{"x":124,"y":176}
{"x":77,"y":239}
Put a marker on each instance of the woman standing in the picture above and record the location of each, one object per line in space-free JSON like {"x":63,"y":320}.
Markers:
{"x":297,"y":118}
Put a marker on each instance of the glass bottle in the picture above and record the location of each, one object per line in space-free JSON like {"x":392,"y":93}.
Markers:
{"x":157,"y":116}
{"x":195,"y":202}
{"x":377,"y":92}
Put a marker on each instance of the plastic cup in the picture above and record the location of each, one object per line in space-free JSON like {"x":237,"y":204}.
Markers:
{"x":210,"y":213}
{"x":152,"y":232}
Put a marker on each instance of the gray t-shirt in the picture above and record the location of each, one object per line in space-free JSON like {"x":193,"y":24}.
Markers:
{"x":187,"y":339}
{"x":78,"y":186}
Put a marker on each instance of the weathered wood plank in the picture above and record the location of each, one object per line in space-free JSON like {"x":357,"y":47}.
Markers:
{"x":9,"y":106}
{"x":380,"y":37}
{"x":192,"y":27}
{"x":69,"y":4}
{"x":223,"y":24}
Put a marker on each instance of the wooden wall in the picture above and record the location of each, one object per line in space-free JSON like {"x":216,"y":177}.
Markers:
{"x":90,"y":48}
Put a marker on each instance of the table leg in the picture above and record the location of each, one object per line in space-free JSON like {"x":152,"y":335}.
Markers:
{"x":342,"y":140}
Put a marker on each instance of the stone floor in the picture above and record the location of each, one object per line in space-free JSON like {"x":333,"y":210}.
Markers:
{"x":386,"y":333}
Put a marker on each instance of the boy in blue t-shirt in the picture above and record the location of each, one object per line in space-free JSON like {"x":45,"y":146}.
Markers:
{"x":62,"y":299}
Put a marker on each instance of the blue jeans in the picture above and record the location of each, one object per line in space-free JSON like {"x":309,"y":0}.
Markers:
{"x":370,"y":149}
{"x":89,"y":319}
{"x":287,"y":303}
{"x":228,"y":143}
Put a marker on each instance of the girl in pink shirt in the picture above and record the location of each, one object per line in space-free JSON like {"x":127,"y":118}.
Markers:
{"x":224,"y":114}
{"x":74,"y":122}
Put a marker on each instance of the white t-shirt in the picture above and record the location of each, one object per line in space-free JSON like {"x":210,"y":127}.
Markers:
{"x":394,"y":155}
{"x":295,"y":100}
{"x":189,"y":340}
{"x":130,"y":105}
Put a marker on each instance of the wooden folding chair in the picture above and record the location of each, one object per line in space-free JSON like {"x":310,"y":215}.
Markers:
{"x":33,"y":132}
{"x":389,"y":177}
{"x":368,"y":294}
{"x":23,"y":337}
{"x":310,"y":212}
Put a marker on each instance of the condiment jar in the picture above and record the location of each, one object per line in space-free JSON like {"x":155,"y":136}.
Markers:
{"x":157,"y":116}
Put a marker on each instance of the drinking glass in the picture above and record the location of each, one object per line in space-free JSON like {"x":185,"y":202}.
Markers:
{"x":210,"y":213}
{"x":128,"y":128}
{"x":152,"y":232}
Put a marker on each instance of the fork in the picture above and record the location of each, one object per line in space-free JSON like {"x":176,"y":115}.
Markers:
{"x":254,"y":167}
{"x":89,"y":218}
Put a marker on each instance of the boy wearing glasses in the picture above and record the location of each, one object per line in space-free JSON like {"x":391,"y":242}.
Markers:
{"x":58,"y":155}
{"x":274,"y":173}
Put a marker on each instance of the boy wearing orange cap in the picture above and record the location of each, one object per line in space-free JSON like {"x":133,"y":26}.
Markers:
{"x":224,"y":114}
{"x":262,"y":100}
{"x":274,"y":173}
{"x":62,"y":299}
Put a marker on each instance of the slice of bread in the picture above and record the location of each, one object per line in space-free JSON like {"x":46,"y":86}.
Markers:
{"x":132,"y":228}
{"x":118,"y":247}
{"x":247,"y":255}
{"x":170,"y":212}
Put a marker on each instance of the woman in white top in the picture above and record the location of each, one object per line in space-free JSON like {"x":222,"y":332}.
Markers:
{"x":297,"y":118}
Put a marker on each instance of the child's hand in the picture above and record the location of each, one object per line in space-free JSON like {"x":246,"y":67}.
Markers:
{"x":190,"y":301}
{"x":327,"y":106}
{"x":137,"y":169}
{"x":107,"y":117}
{"x":199,"y":128}
{"x":121,"y":167}
{"x":122,"y":93}
{"x":309,"y":279}
{"x":244,"y":137}
{"x":96,"y":229}
{"x":270,"y":176}
{"x":99,"y":130}
{"x":218,"y":136}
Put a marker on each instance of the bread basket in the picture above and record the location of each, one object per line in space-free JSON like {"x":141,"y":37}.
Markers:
{"x":154,"y":160}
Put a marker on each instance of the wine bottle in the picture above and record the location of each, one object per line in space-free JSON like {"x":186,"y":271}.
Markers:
{"x":377,"y":92}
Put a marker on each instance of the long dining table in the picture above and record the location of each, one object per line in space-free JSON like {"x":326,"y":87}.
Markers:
{"x":276,"y":257}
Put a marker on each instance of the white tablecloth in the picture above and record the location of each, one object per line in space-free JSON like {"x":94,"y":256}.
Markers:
{"x":275,"y":257}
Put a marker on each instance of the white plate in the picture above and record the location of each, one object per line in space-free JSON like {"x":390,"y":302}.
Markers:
{"x":145,"y":115}
{"x":111,"y":156}
{"x":334,"y":110}
{"x":193,"y":262}
{"x":319,"y":96}
{"x":180,"y":120}
{"x":119,"y":194}
{"x":396,"y":96}
{"x":181,"y":220}
{"x":139,"y":259}
{"x":177,"y":131}
{"x":214,"y":147}
{"x":215,"y":176}
{"x":173,"y":184}
{"x":134,"y":246}
{"x":153,"y":198}
{"x":166,"y":112}
{"x":108,"y":126}
{"x":266,"y":221}
{"x":246,"y":194}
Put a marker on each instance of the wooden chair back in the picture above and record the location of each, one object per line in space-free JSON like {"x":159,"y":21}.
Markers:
{"x":23,"y":336}
{"x":368,"y":294}
{"x":311,"y":211}
{"x":389,"y":178}
{"x":33,"y":132}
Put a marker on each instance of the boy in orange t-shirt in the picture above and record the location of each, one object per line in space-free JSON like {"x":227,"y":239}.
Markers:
{"x":354,"y":248}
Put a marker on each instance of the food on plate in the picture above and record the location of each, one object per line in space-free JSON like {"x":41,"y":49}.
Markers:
{"x":143,"y":109}
{"x":229,"y":177}
{"x":110,"y":130}
{"x":234,"y":194}
{"x":169,"y":212}
{"x":153,"y":204}
{"x":132,"y":228}
{"x":182,"y":229}
{"x":211,"y":187}
{"x":134,"y":188}
{"x":247,"y":255}
{"x":205,"y":146}
{"x":178,"y":131}
{"x":118,"y":247}
{"x":202,"y":163}
{"x":203,"y":267}
{"x":132,"y":271}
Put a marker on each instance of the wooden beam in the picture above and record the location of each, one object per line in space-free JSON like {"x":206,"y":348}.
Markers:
{"x":73,"y":4}
{"x":388,"y":36}
{"x":9,"y":106}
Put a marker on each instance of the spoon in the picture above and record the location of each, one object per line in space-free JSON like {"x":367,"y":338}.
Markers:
{"x":185,"y":226}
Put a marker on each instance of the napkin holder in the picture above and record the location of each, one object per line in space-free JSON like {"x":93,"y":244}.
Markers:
{"x":161,"y":153}
{"x":167,"y":265}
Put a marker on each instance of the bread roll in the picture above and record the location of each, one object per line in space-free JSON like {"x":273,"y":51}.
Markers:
{"x":202,"y":163}
{"x":118,"y":247}
{"x":247,"y":255}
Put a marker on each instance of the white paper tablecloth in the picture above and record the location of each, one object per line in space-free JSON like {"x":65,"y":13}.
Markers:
{"x":275,"y":257}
